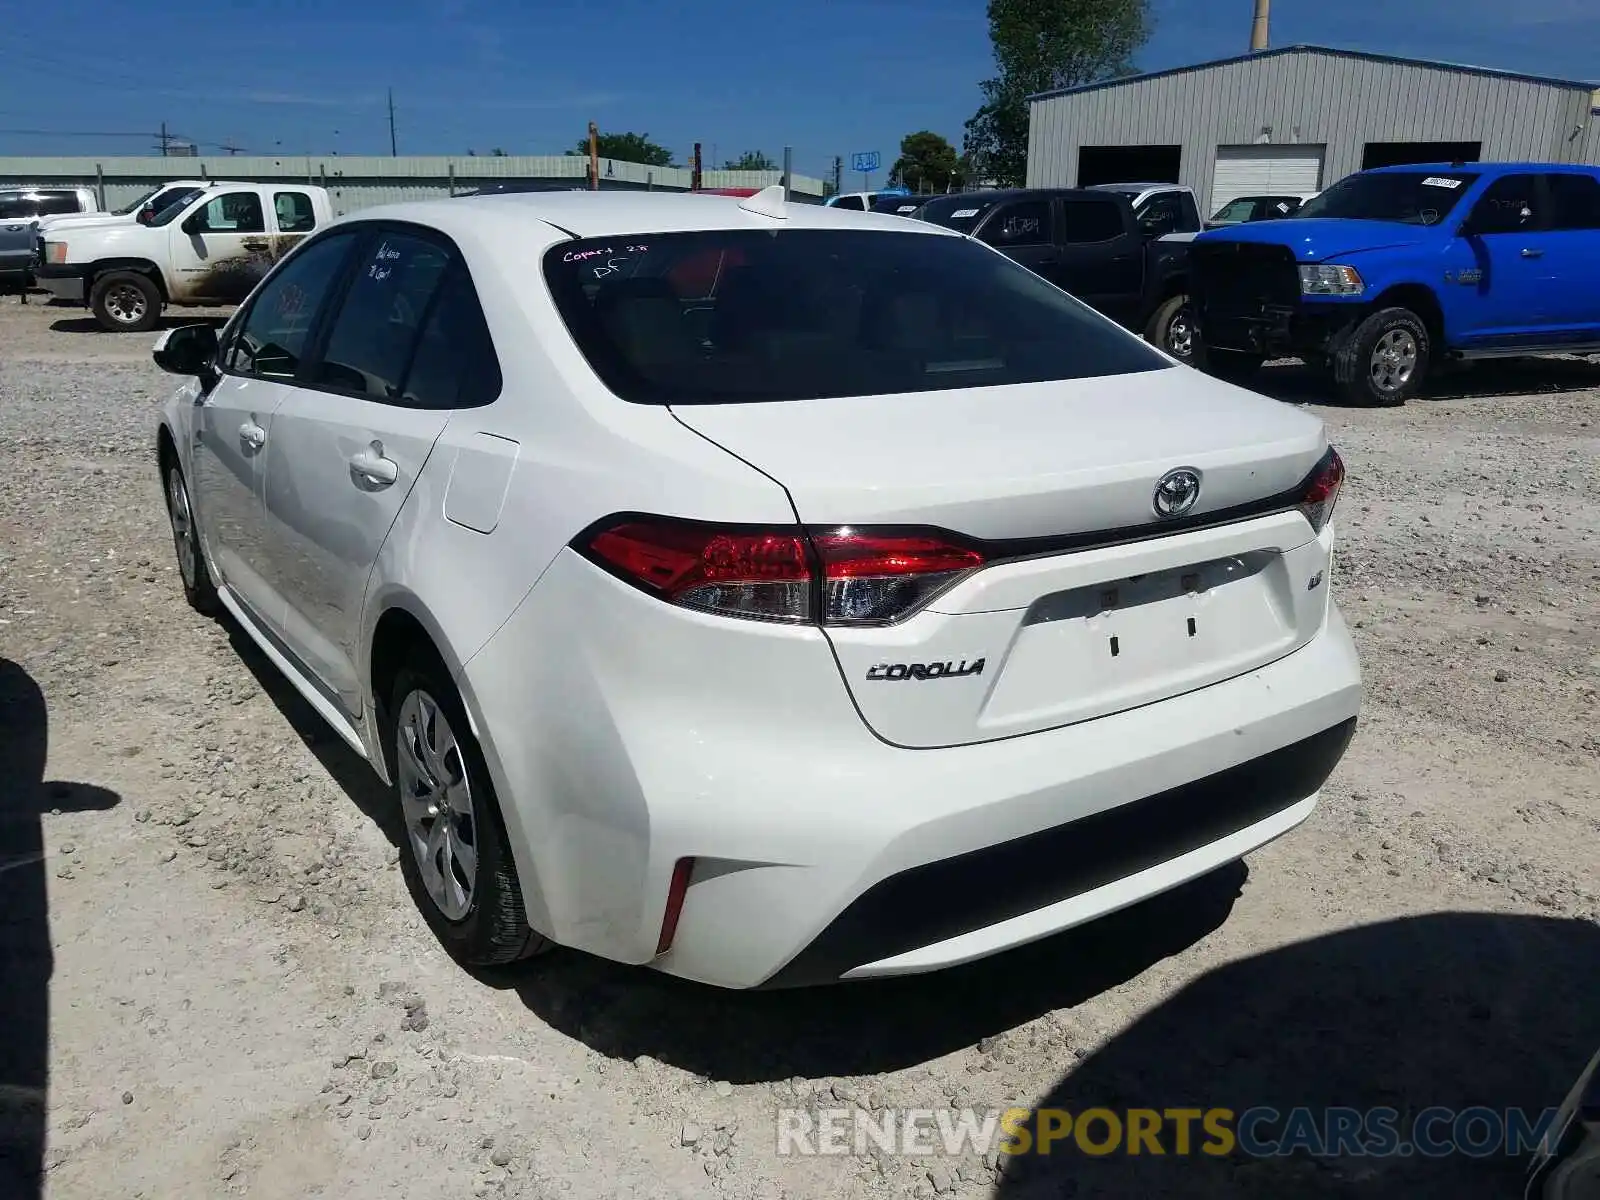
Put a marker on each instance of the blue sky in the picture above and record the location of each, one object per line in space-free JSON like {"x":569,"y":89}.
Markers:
{"x":831,"y":77}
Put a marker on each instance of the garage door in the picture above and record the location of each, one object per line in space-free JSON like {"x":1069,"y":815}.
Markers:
{"x":1265,"y":171}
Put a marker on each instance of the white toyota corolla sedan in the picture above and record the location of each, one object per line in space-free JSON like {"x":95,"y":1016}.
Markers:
{"x":767,"y":594}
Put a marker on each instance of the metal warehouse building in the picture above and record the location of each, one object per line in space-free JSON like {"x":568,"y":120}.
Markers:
{"x":1300,"y":118}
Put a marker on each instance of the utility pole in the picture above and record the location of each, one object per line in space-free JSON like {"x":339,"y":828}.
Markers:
{"x":594,"y":157}
{"x":1258,"y":28}
{"x":163,"y":139}
{"x":788,"y":172}
{"x":393,"y":153}
{"x":694,"y":170}
{"x":838,"y":173}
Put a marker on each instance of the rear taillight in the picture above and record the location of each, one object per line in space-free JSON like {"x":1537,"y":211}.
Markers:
{"x":837,"y":576}
{"x":1322,"y":490}
{"x":873,"y":579}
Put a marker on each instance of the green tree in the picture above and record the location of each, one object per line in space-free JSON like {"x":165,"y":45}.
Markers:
{"x":1040,"y":45}
{"x":628,"y":147}
{"x":927,"y":163}
{"x":750,"y":160}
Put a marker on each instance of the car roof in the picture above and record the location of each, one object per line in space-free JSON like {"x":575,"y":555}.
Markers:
{"x":1489,"y":168}
{"x":1135,"y":188}
{"x":588,"y":214}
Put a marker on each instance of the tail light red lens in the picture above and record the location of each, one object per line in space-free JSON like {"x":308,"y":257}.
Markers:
{"x":874,"y":579}
{"x":842,"y":576}
{"x":1322,"y":490}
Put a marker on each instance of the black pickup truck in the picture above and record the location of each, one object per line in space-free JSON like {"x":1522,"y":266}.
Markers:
{"x":1115,"y":250}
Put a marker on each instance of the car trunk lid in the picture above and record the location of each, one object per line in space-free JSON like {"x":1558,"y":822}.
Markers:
{"x":1089,"y":602}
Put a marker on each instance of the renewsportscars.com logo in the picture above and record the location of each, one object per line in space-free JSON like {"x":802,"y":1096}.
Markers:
{"x":1260,"y":1132}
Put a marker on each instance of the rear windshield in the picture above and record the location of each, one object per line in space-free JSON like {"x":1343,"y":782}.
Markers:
{"x":735,"y":316}
{"x":1406,"y":197}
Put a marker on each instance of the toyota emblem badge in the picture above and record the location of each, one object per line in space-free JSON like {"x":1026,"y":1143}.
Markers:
{"x":1177,"y":492}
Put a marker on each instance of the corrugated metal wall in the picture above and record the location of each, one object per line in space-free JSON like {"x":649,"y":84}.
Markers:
{"x":1309,"y":97}
{"x":362,"y":182}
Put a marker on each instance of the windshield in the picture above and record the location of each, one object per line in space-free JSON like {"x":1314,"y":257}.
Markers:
{"x":130,"y":209}
{"x":738,"y":316}
{"x":1407,"y":197}
{"x":961,"y":213}
{"x":175,"y":204}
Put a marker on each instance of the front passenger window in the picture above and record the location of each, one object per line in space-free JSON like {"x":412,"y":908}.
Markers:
{"x":273,"y":338}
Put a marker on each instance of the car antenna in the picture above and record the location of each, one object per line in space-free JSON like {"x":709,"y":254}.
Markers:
{"x":768,"y":202}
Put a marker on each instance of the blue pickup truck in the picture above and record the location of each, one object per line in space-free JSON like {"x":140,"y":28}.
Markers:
{"x":1390,"y":271}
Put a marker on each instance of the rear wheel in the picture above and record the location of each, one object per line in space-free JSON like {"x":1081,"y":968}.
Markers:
{"x":1172,"y":327}
{"x":456,"y":860}
{"x":1384,"y":359}
{"x":125,"y":302}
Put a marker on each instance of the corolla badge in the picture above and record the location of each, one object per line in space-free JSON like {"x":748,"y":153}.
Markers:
{"x":1177,"y":492}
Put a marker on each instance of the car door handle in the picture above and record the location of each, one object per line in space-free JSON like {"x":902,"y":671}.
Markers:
{"x":372,"y":466}
{"x":254,"y":244}
{"x":252,"y":435}
{"x":1532,"y":253}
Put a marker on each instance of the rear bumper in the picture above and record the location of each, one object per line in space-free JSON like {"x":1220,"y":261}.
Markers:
{"x":624,"y":735}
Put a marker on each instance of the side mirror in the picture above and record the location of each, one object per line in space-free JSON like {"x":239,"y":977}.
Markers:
{"x":189,"y":350}
{"x":195,"y":222}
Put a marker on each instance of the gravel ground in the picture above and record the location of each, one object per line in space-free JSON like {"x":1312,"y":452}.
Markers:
{"x":244,"y":1002}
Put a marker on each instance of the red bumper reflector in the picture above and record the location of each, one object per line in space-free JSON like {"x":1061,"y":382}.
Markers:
{"x":676,"y":891}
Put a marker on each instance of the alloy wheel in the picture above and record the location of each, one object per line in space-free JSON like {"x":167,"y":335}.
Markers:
{"x":183,"y":534}
{"x":436,"y":799}
{"x":1394,"y":360}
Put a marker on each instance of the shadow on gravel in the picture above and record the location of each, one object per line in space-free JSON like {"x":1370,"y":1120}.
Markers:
{"x":1298,"y":384}
{"x":1455,"y":1010}
{"x":26,"y":959}
{"x":349,"y":770}
{"x":90,"y":325}
{"x":866,"y":1027}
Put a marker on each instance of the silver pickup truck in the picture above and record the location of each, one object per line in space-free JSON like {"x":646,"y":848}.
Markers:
{"x":20,"y":211}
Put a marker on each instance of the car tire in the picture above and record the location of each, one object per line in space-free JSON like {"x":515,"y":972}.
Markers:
{"x":1172,"y":327}
{"x":1236,"y":366}
{"x":462,"y":878}
{"x":125,"y":302}
{"x":198,"y":589}
{"x":1382,"y":361}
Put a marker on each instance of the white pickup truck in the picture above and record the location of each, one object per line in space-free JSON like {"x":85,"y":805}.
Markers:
{"x":208,"y":246}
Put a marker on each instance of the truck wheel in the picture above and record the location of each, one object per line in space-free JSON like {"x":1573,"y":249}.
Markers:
{"x":1172,"y":327}
{"x":1236,"y":366}
{"x":125,"y":302}
{"x":1383,"y":360}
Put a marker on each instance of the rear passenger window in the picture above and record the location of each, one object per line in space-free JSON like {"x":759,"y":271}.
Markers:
{"x":272,"y":338}
{"x":1025,"y":223}
{"x":57,"y":204}
{"x":854,"y":202}
{"x":455,"y":365}
{"x":1090,"y":221}
{"x":294,"y":212}
{"x":1574,"y":201}
{"x":370,"y":344}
